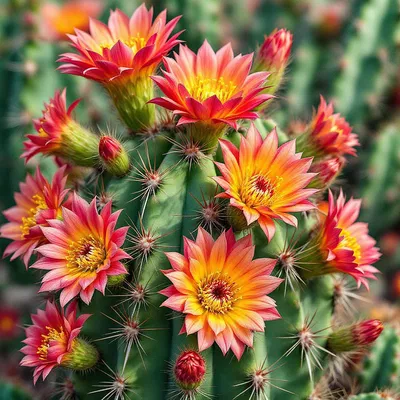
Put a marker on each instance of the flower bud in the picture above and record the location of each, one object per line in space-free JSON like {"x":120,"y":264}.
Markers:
{"x":327,"y":170}
{"x":113,"y":156}
{"x":189,"y":370}
{"x":58,"y":134}
{"x":82,"y":356}
{"x":355,"y":336}
{"x":116,"y":280}
{"x":273,"y":56}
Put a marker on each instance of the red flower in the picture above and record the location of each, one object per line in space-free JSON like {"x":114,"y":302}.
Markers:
{"x":189,"y":369}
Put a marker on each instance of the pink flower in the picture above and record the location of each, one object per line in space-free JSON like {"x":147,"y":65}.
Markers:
{"x":84,"y":249}
{"x":51,"y":338}
{"x":37,"y":202}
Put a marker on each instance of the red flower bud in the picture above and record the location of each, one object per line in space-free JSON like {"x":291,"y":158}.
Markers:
{"x":367,"y":332}
{"x":189,"y":369}
{"x":327,"y":170}
{"x":109,"y":148}
{"x":114,"y":157}
{"x":275,"y":51}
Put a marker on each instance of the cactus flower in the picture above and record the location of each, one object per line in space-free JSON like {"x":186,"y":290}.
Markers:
{"x":221,"y":290}
{"x":60,"y":135}
{"x":189,"y":369}
{"x":9,"y":322}
{"x":264,"y":181}
{"x":113,"y":156}
{"x":122,"y":56}
{"x":37,"y":201}
{"x":327,"y":169}
{"x":57,"y":21}
{"x":341,"y":244}
{"x":53,"y":341}
{"x":355,"y":336}
{"x":273,"y":56}
{"x":329,"y":134}
{"x":209,"y":90}
{"x":84,"y":249}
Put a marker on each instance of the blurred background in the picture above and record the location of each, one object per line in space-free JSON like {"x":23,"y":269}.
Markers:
{"x":348,"y":51}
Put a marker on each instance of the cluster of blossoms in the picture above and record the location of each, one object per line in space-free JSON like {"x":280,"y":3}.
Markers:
{"x":217,"y":284}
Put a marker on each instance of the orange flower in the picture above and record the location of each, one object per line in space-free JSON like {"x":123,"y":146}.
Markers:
{"x":58,"y":21}
{"x":264,"y":181}
{"x":37,"y":202}
{"x":328,"y":135}
{"x":221,"y":290}
{"x":122,"y":56}
{"x":211,"y":88}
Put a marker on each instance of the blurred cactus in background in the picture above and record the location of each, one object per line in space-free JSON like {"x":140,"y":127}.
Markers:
{"x":192,"y":226}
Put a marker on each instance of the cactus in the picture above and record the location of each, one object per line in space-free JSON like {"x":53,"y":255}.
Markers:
{"x":170,"y":175}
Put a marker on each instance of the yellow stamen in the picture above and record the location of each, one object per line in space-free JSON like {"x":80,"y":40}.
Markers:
{"x":86,"y":255}
{"x":52,"y":334}
{"x":136,"y":43}
{"x":260,"y":190}
{"x":202,"y":88}
{"x":29,"y":221}
{"x":216,"y":293}
{"x":350,"y":242}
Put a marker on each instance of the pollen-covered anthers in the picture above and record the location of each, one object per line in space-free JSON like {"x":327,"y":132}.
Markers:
{"x":191,"y":151}
{"x":344,"y":297}
{"x":306,"y":339}
{"x":117,"y":387}
{"x":211,"y":214}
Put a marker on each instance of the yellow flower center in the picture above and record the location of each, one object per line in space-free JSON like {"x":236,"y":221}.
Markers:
{"x":86,"y":255}
{"x":52,"y":334}
{"x":350,"y":242}
{"x":216,"y":293}
{"x":260,"y":190}
{"x":203,"y":88}
{"x":136,"y":43}
{"x":30,"y":220}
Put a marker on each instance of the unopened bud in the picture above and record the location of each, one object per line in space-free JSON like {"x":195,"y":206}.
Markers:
{"x":113,"y":156}
{"x":189,"y":370}
{"x":355,"y":336}
{"x":273,"y":56}
{"x":327,"y":170}
{"x":82,"y":356}
{"x":116,"y":280}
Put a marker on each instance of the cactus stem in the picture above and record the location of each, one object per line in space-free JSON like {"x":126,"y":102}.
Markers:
{"x":144,"y":243}
{"x":211,"y":213}
{"x":116,"y":388}
{"x":191,"y":151}
{"x":344,"y":296}
{"x":259,"y":381}
{"x":65,"y":390}
{"x":136,"y":296}
{"x":149,"y":176}
{"x":305,"y":339}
